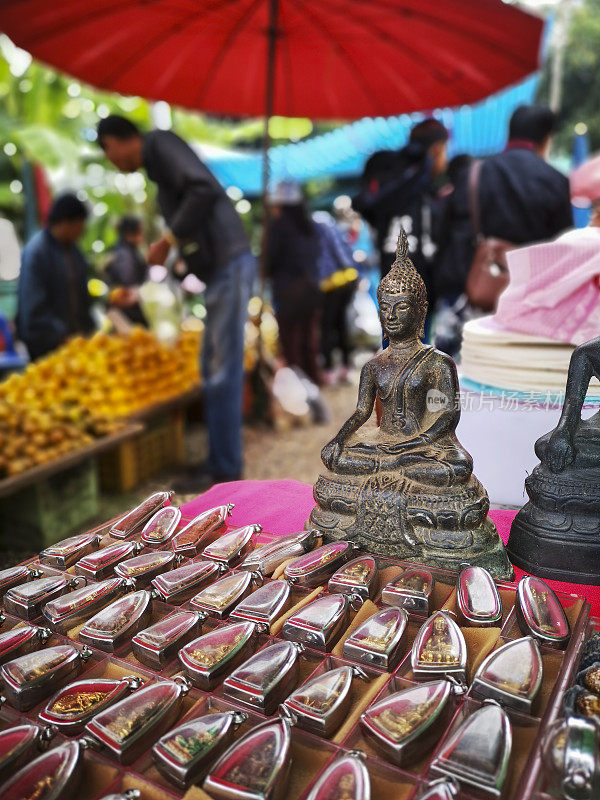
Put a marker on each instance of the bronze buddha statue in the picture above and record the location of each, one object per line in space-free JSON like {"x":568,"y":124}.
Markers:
{"x":407,"y":489}
{"x":557,"y":533}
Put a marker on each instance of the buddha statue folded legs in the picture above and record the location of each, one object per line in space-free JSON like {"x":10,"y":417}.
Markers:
{"x":557,"y":533}
{"x":407,"y":488}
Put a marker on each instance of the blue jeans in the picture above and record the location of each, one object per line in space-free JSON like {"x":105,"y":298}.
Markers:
{"x":226,"y":296}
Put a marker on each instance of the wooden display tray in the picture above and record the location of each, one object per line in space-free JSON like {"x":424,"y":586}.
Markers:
{"x":311,"y":753}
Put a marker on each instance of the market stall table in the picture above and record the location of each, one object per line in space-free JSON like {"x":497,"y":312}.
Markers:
{"x":283,"y":507}
{"x":9,"y":486}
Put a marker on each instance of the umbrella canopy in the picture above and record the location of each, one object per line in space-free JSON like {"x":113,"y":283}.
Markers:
{"x":334,"y":59}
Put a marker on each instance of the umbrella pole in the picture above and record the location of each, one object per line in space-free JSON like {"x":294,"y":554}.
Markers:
{"x":272,"y":34}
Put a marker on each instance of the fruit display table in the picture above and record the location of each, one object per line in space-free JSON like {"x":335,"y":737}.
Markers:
{"x":9,"y":486}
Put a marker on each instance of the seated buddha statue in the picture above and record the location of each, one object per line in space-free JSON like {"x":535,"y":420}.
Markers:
{"x":406,"y":488}
{"x":557,"y":533}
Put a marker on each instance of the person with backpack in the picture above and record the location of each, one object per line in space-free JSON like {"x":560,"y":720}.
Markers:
{"x":204,"y":225}
{"x":397,"y":190}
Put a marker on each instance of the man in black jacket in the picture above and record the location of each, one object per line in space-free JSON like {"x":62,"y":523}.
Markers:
{"x":53,"y":298}
{"x":522,"y":199}
{"x":204,"y":224}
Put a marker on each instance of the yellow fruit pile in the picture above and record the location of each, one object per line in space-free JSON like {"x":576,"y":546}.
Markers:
{"x":110,"y":376}
{"x":85,"y":389}
{"x":30,"y":437}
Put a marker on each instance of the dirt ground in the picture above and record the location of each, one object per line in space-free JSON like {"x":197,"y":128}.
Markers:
{"x":269,"y":454}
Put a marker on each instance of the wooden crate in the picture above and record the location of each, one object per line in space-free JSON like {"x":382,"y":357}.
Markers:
{"x":159,"y":446}
{"x":50,"y":509}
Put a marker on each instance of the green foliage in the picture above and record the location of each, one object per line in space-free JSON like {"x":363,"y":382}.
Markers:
{"x":50,"y":119}
{"x":581,"y":76}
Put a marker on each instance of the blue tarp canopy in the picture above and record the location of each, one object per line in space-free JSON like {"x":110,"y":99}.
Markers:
{"x":478,"y":130}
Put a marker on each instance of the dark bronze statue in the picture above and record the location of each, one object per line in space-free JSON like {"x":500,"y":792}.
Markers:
{"x":557,"y":533}
{"x":407,"y":488}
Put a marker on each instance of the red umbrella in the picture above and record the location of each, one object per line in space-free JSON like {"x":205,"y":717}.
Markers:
{"x":333,"y":59}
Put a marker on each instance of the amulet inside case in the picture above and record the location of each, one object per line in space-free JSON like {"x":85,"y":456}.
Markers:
{"x":20,"y":744}
{"x":178,"y":585}
{"x":404,"y":726}
{"x":100,"y":564}
{"x":322,"y":703}
{"x":219,"y":599}
{"x":206,"y":658}
{"x":135,"y":520}
{"x":378,"y":641}
{"x":70,"y":610}
{"x":411,"y":590}
{"x":265,"y":605}
{"x":118,"y":622}
{"x":358,"y":576}
{"x":318,"y":566}
{"x":73,"y":706}
{"x":191,"y":538}
{"x":31,"y":678}
{"x":256,"y":767}
{"x":157,"y":645}
{"x":55,"y":775}
{"x":320,"y":623}
{"x":21,"y":640}
{"x":129,"y":727}
{"x":64,"y":554}
{"x":266,"y":678}
{"x":184,"y":754}
{"x":27,"y":601}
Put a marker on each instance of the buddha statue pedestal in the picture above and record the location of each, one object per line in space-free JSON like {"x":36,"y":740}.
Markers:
{"x":557,"y":533}
{"x":407,"y":489}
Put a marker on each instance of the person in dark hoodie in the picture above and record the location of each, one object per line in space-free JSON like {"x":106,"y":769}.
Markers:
{"x":398,"y":189}
{"x":53,"y":298}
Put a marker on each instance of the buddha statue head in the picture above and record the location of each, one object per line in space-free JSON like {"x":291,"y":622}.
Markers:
{"x":402,"y":297}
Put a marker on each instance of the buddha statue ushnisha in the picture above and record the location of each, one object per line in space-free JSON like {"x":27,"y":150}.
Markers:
{"x":407,"y":489}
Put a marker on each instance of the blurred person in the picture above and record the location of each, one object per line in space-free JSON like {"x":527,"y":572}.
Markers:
{"x":126,"y":269}
{"x":337,"y":276}
{"x":398,"y":190}
{"x":53,"y":298}
{"x":211,"y":238}
{"x":522,"y":199}
{"x":293,"y":246}
{"x":456,"y":247}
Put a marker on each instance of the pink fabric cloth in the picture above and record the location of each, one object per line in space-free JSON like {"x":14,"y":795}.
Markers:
{"x":585,"y":180}
{"x":282,"y":507}
{"x":554,"y":288}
